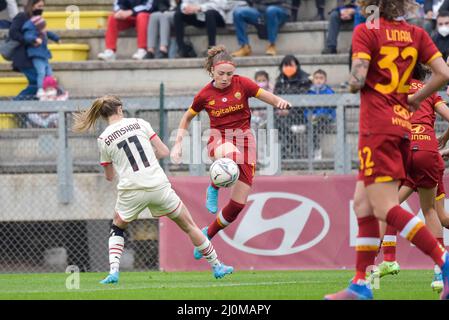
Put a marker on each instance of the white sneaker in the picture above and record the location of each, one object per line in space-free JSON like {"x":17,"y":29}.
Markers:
{"x":140,"y":54}
{"x":107,"y":55}
{"x":40,"y":93}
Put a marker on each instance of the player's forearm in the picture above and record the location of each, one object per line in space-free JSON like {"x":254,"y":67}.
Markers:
{"x":359,"y":72}
{"x":435,"y":83}
{"x":183,"y":126}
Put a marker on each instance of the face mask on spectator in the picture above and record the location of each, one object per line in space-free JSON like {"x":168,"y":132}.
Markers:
{"x":37,"y":12}
{"x":289,"y":70}
{"x":443,"y":30}
{"x":263,"y":84}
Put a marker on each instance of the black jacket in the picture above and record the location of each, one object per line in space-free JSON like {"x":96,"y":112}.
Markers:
{"x":20,"y":58}
{"x":160,"y":5}
{"x":298,"y":84}
{"x":442,"y":44}
{"x":444,"y":6}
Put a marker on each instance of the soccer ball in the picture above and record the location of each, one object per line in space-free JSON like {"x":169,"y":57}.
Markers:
{"x":224,"y":173}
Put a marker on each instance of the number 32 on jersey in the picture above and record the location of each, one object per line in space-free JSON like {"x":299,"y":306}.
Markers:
{"x":398,"y":83}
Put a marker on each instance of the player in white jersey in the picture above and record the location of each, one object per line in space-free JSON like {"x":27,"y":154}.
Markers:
{"x":132,"y":148}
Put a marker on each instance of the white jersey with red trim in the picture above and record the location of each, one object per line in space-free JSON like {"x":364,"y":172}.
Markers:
{"x":126,"y":145}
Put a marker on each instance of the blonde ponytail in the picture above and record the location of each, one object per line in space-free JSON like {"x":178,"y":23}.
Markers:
{"x":102,"y":107}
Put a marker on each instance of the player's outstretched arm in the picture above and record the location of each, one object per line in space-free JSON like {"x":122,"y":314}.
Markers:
{"x":440,"y":76}
{"x":358,"y":75}
{"x":176,"y":152}
{"x":159,"y":147}
{"x":274,"y":100}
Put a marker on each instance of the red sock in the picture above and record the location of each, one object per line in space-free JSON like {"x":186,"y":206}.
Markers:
{"x":225,"y":217}
{"x":415,"y":231}
{"x":389,"y":244}
{"x":367,"y":246}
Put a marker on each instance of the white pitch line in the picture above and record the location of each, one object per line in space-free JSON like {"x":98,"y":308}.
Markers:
{"x":161,"y":286}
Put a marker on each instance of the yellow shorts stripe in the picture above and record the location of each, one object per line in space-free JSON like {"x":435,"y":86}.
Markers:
{"x":383,"y":179}
{"x":441,"y":196}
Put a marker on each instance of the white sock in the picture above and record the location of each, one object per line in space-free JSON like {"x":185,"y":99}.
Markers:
{"x":208,"y":251}
{"x":437,"y":269}
{"x":116,"y":247}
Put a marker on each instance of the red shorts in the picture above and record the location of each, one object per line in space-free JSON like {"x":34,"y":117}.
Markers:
{"x":425,"y":168}
{"x":245,"y":158}
{"x":383,"y":158}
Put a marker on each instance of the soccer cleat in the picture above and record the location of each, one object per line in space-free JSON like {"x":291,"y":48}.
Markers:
{"x":220,"y":270}
{"x":196,"y":253}
{"x":437,"y":283}
{"x":355,"y":291}
{"x":445,"y":273}
{"x":212,"y":199}
{"x":386,"y":268}
{"x":111,"y":278}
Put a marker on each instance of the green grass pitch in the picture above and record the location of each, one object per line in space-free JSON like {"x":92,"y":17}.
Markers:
{"x":252,"y":285}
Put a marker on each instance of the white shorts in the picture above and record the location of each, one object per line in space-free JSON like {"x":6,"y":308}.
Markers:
{"x":162,"y":202}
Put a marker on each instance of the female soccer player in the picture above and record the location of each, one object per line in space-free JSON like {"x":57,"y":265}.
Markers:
{"x":132,"y":147}
{"x":425,"y":172}
{"x":225,"y":99}
{"x":385,"y":52}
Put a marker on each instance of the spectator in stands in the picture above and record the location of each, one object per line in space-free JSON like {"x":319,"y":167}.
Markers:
{"x":341,"y":14}
{"x":431,"y":8}
{"x":8,"y":10}
{"x":259,"y":117}
{"x":263,"y":80}
{"x":162,"y":20}
{"x":200,"y":14}
{"x":291,"y":80}
{"x":53,"y":92}
{"x":127,"y":14}
{"x":36,"y":38}
{"x":321,"y":117}
{"x":441,"y":37}
{"x":417,"y":17}
{"x":20,"y":60}
{"x":267,"y":14}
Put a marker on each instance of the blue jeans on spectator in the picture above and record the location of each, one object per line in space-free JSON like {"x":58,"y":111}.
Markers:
{"x":275,"y":17}
{"x":43,"y":69}
{"x":5,"y":24}
{"x":29,"y":93}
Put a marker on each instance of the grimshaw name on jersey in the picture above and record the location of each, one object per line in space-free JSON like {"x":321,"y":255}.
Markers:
{"x":118,"y":133}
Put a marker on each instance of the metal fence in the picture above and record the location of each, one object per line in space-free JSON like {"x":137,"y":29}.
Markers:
{"x":56,"y":207}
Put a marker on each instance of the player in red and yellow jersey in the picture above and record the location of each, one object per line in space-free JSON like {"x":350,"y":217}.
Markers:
{"x":424,"y":174}
{"x":225,"y":99}
{"x":385,"y":53}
